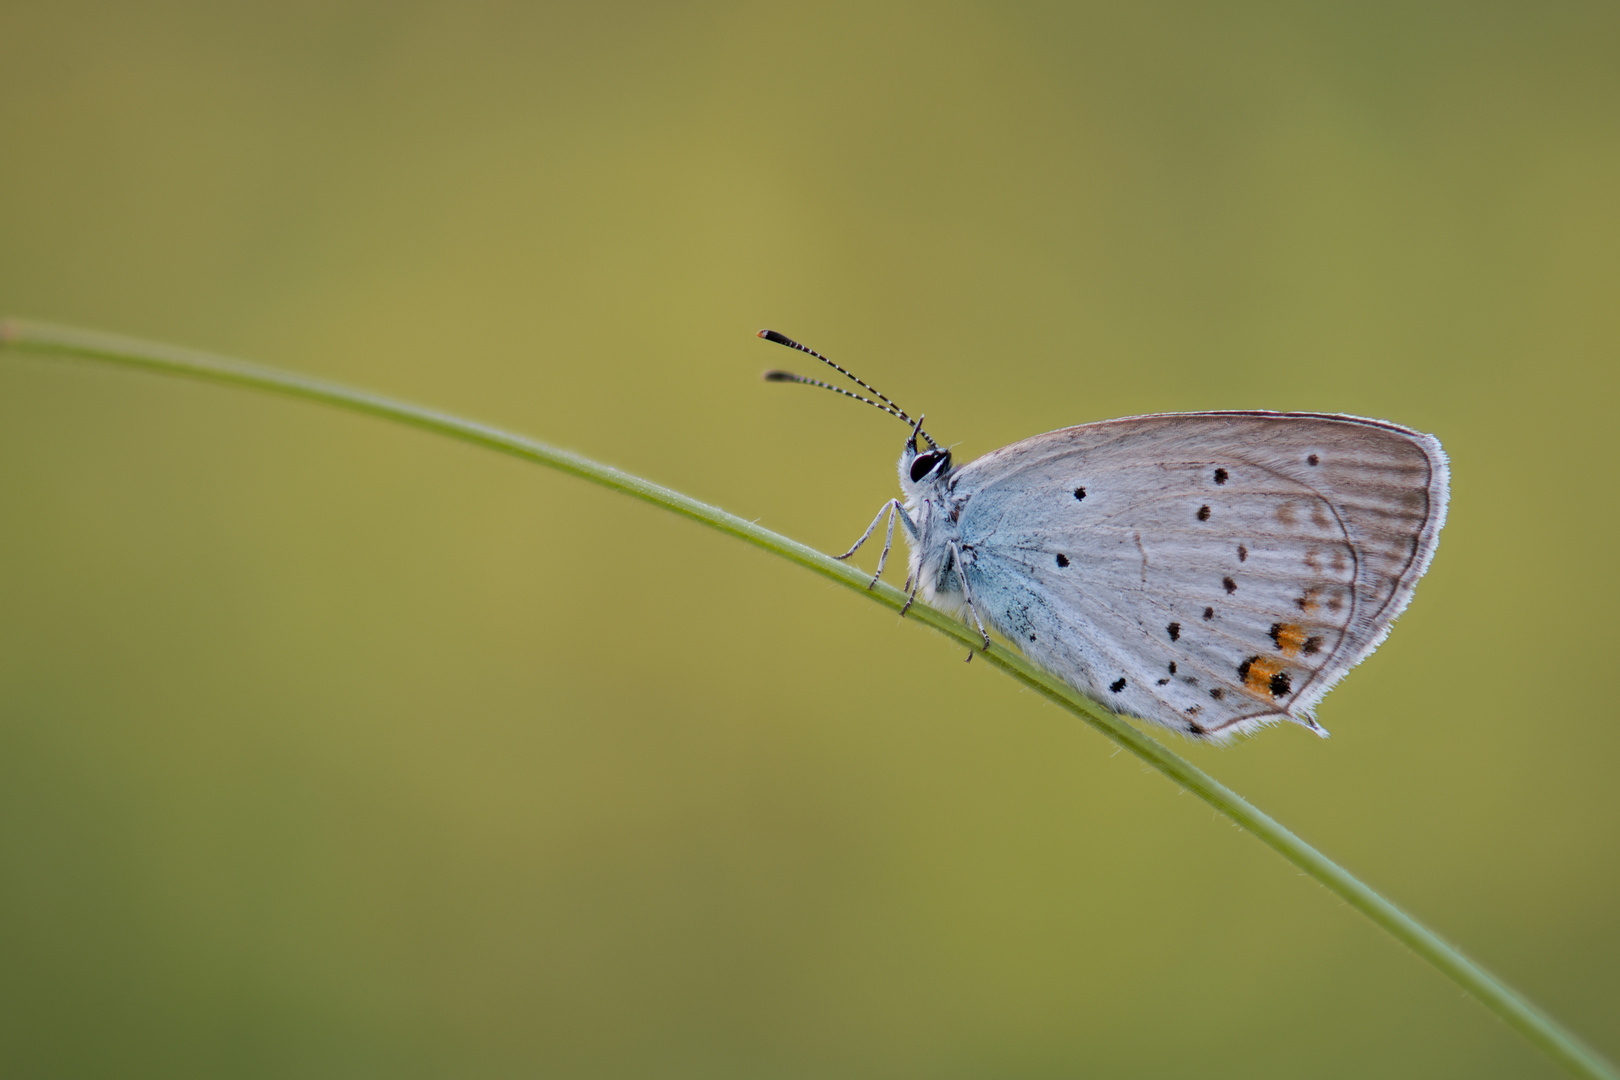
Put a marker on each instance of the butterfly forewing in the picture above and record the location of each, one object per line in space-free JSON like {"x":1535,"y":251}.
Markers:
{"x":1207,"y":571}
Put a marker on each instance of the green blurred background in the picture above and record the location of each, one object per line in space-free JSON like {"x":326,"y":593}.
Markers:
{"x":329,"y":748}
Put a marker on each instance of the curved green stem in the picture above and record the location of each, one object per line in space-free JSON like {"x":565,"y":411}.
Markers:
{"x":1529,"y":1021}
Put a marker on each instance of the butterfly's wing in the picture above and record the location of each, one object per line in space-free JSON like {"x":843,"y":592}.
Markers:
{"x":1207,"y":571}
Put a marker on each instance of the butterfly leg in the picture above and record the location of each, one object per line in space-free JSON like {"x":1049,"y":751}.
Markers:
{"x":894,"y":510}
{"x":888,"y":543}
{"x":888,"y":508}
{"x":912,"y":595}
{"x":967,"y":593}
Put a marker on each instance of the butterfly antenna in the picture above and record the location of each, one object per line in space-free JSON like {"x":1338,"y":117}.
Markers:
{"x":886,"y":405}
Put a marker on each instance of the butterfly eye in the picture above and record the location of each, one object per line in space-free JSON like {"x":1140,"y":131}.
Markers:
{"x":925,"y":464}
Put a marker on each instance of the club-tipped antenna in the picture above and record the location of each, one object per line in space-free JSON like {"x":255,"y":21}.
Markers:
{"x":882,"y":402}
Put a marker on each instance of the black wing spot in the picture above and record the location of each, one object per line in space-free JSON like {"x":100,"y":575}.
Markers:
{"x":1280,"y":683}
{"x":1243,"y":553}
{"x":1209,"y":613}
{"x":1243,"y":668}
{"x":1163,"y":682}
{"x":1117,"y":685}
{"x":1174,"y":630}
{"x":1313,"y":646}
{"x":1062,"y":559}
{"x":1079,"y":494}
{"x":1313,"y":460}
{"x":1217,"y":693}
{"x":1172,"y":667}
{"x":1220,"y":476}
{"x":1032,"y":637}
{"x":1230,"y":585}
{"x":1194,"y":710}
{"x":1195,"y":731}
{"x":1203,"y":512}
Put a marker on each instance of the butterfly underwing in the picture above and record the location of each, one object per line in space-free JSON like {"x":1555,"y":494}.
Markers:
{"x":1211,"y":572}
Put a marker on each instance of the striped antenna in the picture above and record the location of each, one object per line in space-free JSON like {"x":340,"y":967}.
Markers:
{"x":886,"y":405}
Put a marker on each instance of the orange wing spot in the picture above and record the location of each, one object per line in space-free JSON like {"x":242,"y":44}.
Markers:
{"x":1258,"y":673}
{"x":1290,"y":638}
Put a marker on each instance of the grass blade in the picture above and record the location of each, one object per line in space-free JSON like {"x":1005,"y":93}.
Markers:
{"x":1541,"y":1030}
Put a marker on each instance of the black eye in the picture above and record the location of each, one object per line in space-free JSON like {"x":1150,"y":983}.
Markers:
{"x":925,"y":463}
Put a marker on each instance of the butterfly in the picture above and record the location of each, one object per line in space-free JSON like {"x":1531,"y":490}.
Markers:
{"x":1210,"y":572}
